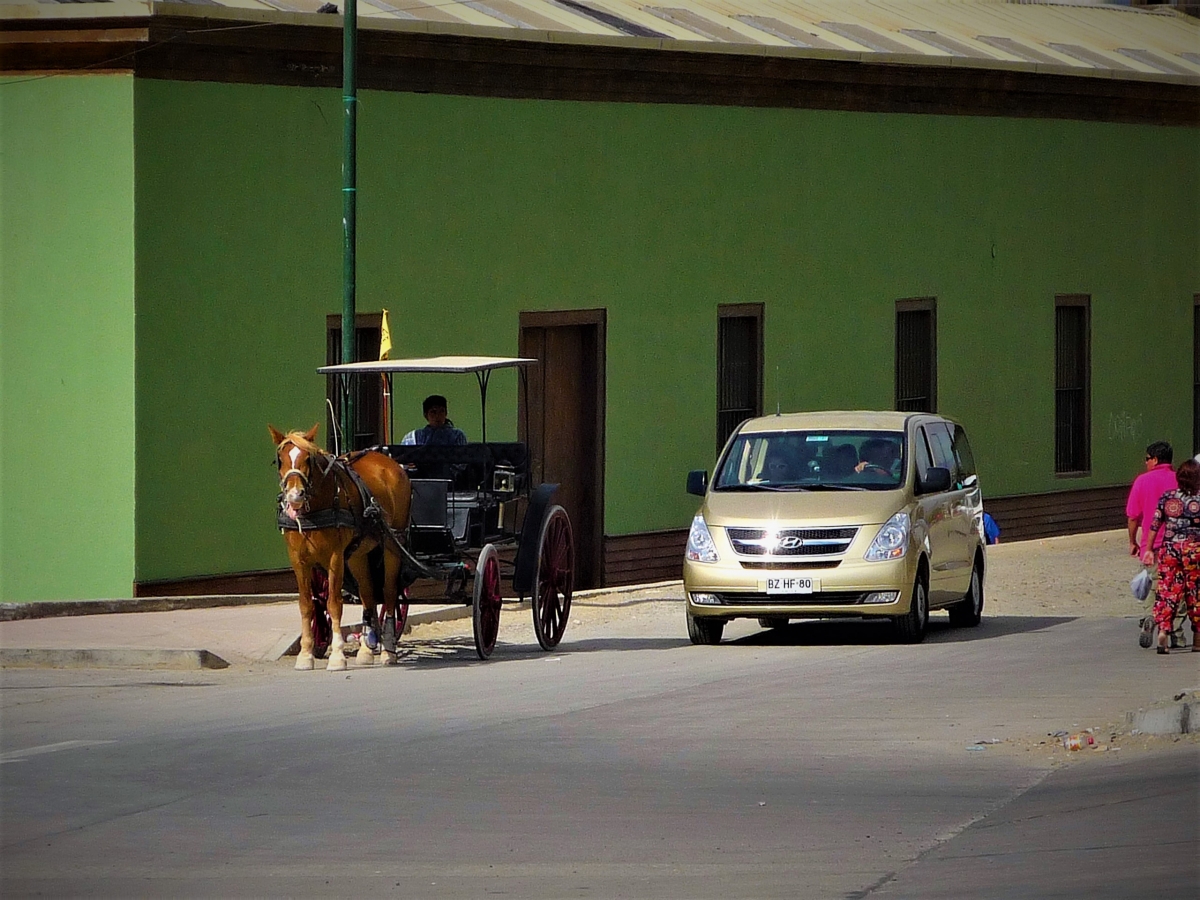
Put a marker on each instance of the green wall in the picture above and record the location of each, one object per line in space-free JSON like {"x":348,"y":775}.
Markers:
{"x":66,"y":338}
{"x":471,"y":210}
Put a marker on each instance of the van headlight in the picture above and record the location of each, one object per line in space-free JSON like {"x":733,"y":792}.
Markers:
{"x":892,"y":540}
{"x":700,"y":546}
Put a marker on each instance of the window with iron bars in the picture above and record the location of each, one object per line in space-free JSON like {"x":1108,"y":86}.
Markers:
{"x":1072,"y":384}
{"x":916,"y":355}
{"x":739,"y":366}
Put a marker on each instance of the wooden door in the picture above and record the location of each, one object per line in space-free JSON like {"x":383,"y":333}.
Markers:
{"x":561,"y":417}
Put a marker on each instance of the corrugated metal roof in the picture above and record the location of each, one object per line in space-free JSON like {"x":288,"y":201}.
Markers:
{"x":1084,"y":37}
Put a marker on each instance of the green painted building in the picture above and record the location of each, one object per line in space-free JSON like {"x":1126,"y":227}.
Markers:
{"x":170,"y":249}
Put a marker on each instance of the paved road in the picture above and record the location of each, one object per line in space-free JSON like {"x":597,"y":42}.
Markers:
{"x":819,"y":761}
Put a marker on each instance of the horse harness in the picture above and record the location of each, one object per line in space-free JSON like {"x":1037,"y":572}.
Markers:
{"x":370,"y":522}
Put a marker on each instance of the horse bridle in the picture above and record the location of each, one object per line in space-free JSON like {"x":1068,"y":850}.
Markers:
{"x":306,"y":485}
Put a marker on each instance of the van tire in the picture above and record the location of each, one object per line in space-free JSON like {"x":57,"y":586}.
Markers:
{"x":910,"y":627}
{"x":703,"y":630}
{"x":773,"y":621}
{"x":968,"y":612}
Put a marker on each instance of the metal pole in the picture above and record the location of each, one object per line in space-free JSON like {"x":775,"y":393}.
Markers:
{"x":349,"y":207}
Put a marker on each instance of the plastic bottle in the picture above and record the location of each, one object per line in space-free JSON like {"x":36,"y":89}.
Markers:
{"x":1079,"y":741}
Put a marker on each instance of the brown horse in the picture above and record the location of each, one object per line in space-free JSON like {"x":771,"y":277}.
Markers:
{"x":329,"y":524}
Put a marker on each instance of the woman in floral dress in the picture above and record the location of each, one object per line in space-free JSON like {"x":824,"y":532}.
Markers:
{"x":1178,"y":515}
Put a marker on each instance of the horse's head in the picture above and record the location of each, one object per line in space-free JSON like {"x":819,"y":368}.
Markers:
{"x":300,"y":462}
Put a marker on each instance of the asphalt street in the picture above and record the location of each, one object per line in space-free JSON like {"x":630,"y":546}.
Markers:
{"x":819,"y":761}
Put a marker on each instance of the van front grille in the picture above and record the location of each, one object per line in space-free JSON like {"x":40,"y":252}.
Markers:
{"x":791,"y":541}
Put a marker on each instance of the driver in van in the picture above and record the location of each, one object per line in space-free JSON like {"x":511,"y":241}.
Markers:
{"x":878,"y":457}
{"x":439,"y":431}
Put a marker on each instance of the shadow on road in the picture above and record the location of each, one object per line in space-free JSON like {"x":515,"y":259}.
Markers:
{"x":860,"y":633}
{"x":460,"y":651}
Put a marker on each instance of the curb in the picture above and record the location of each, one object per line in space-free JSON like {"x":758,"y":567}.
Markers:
{"x":1176,"y":718}
{"x":117,"y":658}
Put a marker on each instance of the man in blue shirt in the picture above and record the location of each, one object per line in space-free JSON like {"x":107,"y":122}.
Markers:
{"x":440,"y":431}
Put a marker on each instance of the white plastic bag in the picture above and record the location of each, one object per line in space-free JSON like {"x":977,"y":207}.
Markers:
{"x":1140,"y":584}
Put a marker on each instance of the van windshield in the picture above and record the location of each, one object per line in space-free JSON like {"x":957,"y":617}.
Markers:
{"x":813,"y":461}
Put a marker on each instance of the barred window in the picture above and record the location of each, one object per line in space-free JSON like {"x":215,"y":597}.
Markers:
{"x":739,"y":366}
{"x":916,"y":355}
{"x":1072,"y":384}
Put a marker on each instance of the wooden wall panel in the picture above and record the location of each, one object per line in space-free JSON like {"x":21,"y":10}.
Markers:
{"x":1032,"y":516}
{"x":271,"y":581}
{"x":640,"y":558}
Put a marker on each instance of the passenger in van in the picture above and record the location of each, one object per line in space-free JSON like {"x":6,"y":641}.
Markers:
{"x":879,"y":458}
{"x":440,"y":431}
{"x":838,"y":461}
{"x":781,"y":466}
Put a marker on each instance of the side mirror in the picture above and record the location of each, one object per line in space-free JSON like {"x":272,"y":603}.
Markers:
{"x":936,"y":481}
{"x":697,"y":482}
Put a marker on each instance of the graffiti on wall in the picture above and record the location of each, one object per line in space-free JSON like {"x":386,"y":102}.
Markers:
{"x":1124,"y":427}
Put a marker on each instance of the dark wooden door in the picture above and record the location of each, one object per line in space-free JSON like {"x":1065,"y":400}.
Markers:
{"x":561,"y":417}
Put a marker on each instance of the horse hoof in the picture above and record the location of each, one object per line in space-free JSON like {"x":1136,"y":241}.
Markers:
{"x":365,"y":657}
{"x":387,"y":658}
{"x":304,"y":662}
{"x":337,"y":663}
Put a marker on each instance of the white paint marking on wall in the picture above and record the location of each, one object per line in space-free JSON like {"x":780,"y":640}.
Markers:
{"x":1124,"y":427}
{"x":295,"y":455}
{"x":22,"y":755}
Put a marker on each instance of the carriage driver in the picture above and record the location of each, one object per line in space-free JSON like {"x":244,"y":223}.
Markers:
{"x":440,"y":431}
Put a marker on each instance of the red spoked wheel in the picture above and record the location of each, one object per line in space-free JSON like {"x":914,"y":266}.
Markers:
{"x":555,"y":578}
{"x":485,"y":612}
{"x":322,"y":625}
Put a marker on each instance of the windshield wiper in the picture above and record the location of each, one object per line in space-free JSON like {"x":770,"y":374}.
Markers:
{"x":838,"y":487}
{"x":785,"y":488}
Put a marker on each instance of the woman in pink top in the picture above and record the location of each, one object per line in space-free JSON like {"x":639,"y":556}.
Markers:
{"x":1178,"y":558}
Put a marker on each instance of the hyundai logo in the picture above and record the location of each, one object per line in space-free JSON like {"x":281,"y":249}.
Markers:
{"x":790,"y":542}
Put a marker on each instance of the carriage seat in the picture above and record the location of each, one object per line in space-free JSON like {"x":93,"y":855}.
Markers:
{"x":467,"y":467}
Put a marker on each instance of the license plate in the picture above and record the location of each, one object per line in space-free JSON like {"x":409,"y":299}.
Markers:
{"x":790,"y":584}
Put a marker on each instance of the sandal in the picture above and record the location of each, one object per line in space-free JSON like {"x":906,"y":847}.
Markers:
{"x":1163,"y":651}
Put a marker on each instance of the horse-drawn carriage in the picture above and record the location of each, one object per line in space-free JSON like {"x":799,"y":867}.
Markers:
{"x":473,"y":519}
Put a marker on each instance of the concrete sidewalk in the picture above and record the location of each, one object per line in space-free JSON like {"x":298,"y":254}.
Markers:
{"x":185,"y":632}
{"x":202,"y":636}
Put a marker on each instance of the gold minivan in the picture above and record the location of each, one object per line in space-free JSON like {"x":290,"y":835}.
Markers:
{"x":836,"y":514}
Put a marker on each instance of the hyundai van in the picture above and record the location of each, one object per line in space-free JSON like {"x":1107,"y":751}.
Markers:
{"x":837,"y":514}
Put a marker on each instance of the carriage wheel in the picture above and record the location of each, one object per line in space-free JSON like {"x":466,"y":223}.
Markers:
{"x":555,"y":578}
{"x":322,"y":625}
{"x":485,"y":612}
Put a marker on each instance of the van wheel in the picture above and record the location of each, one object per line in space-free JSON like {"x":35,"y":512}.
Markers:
{"x":910,"y":627}
{"x":968,"y":612}
{"x":705,"y":630}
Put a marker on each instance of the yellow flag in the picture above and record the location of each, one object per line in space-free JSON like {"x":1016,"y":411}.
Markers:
{"x":385,"y":338}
